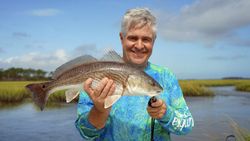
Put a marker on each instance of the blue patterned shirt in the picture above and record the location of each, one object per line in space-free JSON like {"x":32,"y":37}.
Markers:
{"x":129,"y":120}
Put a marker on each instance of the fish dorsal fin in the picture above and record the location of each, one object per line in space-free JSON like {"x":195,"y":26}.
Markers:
{"x":111,"y":55}
{"x":73,"y":63}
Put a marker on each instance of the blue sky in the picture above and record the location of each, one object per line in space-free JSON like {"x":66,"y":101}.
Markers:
{"x":204,"y":39}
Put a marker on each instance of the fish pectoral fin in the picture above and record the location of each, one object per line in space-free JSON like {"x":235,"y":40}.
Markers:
{"x":110,"y":100}
{"x":71,"y":94}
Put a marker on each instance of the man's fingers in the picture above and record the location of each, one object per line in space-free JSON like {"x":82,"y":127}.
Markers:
{"x":112,"y":90}
{"x":106,"y":89}
{"x":153,"y":110}
{"x":87,"y":86}
{"x":158,"y":103}
{"x":100,"y":87}
{"x":159,"y":114}
{"x":158,"y":109}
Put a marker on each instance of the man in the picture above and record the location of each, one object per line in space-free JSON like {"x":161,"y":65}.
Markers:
{"x":129,"y":118}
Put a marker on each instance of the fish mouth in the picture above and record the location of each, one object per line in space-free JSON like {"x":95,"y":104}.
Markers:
{"x":159,"y":91}
{"x":156,"y":93}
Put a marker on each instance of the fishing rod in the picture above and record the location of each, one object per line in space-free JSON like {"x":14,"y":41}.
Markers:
{"x":152,"y":100}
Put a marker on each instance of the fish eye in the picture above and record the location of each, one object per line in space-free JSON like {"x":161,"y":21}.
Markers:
{"x":152,"y":83}
{"x":43,"y":86}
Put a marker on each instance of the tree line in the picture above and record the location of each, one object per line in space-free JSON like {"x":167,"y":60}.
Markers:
{"x":17,"y":74}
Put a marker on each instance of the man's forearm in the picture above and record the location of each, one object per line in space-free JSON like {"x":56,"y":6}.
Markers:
{"x":98,"y":119}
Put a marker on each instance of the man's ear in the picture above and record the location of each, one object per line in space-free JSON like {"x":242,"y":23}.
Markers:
{"x":121,"y":36}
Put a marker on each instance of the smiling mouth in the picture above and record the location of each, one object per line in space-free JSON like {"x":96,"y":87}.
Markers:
{"x":138,"y":54}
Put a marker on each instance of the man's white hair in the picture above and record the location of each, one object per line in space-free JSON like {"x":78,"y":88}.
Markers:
{"x":138,"y":18}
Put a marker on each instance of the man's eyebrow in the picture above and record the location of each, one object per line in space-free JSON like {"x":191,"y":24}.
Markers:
{"x":132,"y":36}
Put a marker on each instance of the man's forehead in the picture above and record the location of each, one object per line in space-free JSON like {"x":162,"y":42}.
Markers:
{"x":145,"y":31}
{"x":140,"y":26}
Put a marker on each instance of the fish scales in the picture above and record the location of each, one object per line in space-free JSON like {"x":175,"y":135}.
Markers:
{"x":91,"y":67}
{"x":118,"y":72}
{"x":122,"y":74}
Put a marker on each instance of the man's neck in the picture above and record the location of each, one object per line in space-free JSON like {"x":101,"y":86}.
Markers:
{"x":140,"y":67}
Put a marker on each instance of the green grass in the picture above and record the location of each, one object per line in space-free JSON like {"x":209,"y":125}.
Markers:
{"x":198,"y":87}
{"x":11,"y":91}
{"x":58,"y":96}
{"x":243,"y":87}
{"x":192,"y":89}
{"x":14,"y":91}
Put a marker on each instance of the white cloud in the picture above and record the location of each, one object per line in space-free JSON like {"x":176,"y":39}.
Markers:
{"x":37,"y":60}
{"x":45,"y":12}
{"x":206,"y":21}
{"x":49,"y":61}
{"x":60,"y":54}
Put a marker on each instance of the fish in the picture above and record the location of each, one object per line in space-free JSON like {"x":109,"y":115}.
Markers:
{"x":129,"y":80}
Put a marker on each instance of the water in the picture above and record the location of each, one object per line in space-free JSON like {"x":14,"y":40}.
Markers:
{"x":25,"y":123}
{"x":211,"y":114}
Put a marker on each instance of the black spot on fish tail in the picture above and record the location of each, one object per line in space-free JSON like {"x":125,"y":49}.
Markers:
{"x":39,"y":94}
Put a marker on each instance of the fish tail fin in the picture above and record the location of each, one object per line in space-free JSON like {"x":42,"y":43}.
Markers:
{"x":39,"y":94}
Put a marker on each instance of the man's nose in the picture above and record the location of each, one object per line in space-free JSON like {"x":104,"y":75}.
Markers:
{"x":139,"y":44}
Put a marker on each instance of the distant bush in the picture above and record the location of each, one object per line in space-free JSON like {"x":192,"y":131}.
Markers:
{"x":24,"y":74}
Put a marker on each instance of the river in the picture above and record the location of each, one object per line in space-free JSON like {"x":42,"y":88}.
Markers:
{"x":26,"y":123}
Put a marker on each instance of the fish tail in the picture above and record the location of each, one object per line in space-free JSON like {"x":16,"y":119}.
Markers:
{"x":39,"y":94}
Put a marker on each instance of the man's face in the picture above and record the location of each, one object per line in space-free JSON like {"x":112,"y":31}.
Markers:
{"x":137,"y":45}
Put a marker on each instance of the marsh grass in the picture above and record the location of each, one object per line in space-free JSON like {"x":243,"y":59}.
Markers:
{"x":12,"y":91}
{"x":198,"y":87}
{"x":58,"y":96}
{"x":243,"y":87}
{"x":15,"y":92}
{"x":191,"y":89}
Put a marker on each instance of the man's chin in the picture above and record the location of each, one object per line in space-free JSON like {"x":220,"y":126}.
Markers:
{"x":139,"y":62}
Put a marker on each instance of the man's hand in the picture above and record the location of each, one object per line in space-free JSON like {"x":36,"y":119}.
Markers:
{"x":157,"y":109}
{"x":98,"y":95}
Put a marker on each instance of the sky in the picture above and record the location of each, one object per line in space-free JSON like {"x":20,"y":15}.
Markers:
{"x":196,"y":39}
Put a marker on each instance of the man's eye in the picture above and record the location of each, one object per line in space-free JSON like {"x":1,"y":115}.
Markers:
{"x":132,"y":38}
{"x":147,"y":40}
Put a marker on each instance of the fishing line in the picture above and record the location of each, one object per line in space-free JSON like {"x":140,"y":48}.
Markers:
{"x":152,"y":100}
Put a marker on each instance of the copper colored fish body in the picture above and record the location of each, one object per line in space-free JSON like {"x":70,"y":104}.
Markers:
{"x":129,"y":80}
